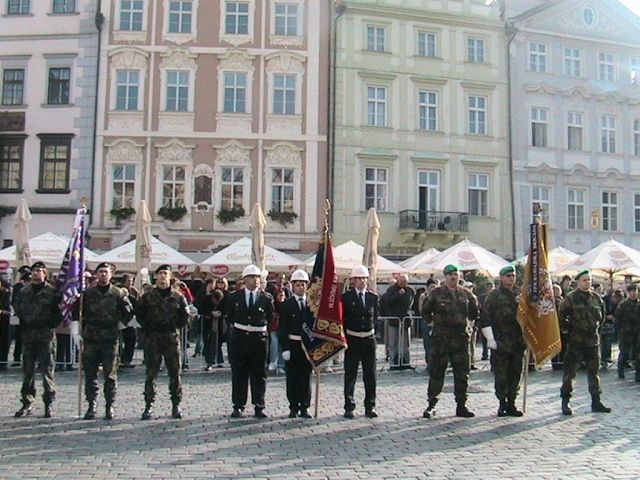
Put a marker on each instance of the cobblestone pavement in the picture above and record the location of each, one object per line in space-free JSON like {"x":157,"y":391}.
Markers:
{"x":398,"y":444}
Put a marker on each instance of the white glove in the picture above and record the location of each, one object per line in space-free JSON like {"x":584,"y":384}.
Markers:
{"x":286,"y":355}
{"x":191,"y":310}
{"x":488,"y":334}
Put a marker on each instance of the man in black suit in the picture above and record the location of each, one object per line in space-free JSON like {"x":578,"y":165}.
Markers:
{"x":249,"y":311}
{"x":298,"y":366}
{"x":360,"y":315}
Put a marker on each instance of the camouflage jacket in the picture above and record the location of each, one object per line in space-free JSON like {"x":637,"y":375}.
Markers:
{"x":453,"y":309}
{"x":102,"y":313}
{"x":500,"y":311}
{"x":156,"y":313}
{"x":39,"y":312}
{"x":628,"y":317}
{"x":582,"y":313}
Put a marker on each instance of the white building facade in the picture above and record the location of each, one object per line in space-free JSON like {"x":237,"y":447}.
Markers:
{"x":575,"y":109}
{"x":47,"y":87}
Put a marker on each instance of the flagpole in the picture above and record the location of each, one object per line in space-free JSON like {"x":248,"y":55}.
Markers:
{"x":81,"y":354}
{"x":527,"y":357}
{"x":317,"y":405}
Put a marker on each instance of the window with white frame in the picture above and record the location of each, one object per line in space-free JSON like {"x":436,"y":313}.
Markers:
{"x":606,"y":67}
{"x":475,"y":50}
{"x":539,"y":127}
{"x":235,"y":89}
{"x":376,"y":106}
{"x":284,"y":94}
{"x":428,"y":194}
{"x":609,"y":211}
{"x":574,"y":131}
{"x":286,"y":19}
{"x":375,"y":189}
{"x":180,"y":16}
{"x":538,"y":57}
{"x":427,"y":44}
{"x":64,"y":6}
{"x":173,"y":186}
{"x":428,"y":110}
{"x":236,"y":18}
{"x":635,"y":69}
{"x":572,"y":62}
{"x":541,"y":202}
{"x":123,"y":186}
{"x":177,"y":91}
{"x":232,"y":187}
{"x":376,"y":38}
{"x":478,"y":194}
{"x":636,"y":137}
{"x":282,"y":184}
{"x":608,"y":133}
{"x":18,"y":7}
{"x":13,"y":86}
{"x":575,"y":208}
{"x":131,"y":15}
{"x":636,"y":212}
{"x":477,"y":115}
{"x":127,"y":89}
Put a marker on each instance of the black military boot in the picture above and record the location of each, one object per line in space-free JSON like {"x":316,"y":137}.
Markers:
{"x":502,"y":409}
{"x":148,"y":412}
{"x":512,"y":410}
{"x":90,"y":414}
{"x":598,"y":406}
{"x":176,"y":411}
{"x":48,"y":410}
{"x":431,"y":409}
{"x":566,"y":408}
{"x":108,"y":411}
{"x":637,"y":376}
{"x":463,"y":411}
{"x":24,"y":411}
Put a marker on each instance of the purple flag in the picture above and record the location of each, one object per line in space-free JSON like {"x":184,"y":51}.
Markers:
{"x":71,"y":278}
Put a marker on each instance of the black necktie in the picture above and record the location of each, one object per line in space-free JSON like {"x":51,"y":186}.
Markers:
{"x":250,"y":299}
{"x":301,"y":304}
{"x":362,"y":299}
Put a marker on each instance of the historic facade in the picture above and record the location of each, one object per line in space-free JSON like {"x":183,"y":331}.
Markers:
{"x":211,"y":106}
{"x":421,"y":124}
{"x":47,"y":89}
{"x":575,"y":97}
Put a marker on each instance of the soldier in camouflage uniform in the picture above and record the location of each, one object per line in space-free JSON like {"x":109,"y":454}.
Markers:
{"x":162,"y":313}
{"x":451,"y":309}
{"x":104,"y":307}
{"x":628,"y":322}
{"x":500,"y":327}
{"x":37,"y":308}
{"x":581,"y":314}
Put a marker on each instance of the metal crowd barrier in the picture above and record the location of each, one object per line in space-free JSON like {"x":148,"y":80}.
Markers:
{"x":400,"y":346}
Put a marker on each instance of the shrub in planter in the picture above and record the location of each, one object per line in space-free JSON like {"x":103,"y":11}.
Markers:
{"x":173,"y":214}
{"x":228,"y":215}
{"x":120,"y":214}
{"x":284,"y":218}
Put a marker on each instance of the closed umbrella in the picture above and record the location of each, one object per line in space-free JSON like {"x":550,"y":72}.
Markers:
{"x":143,"y":244}
{"x":21,"y":234}
{"x":370,"y":252}
{"x":257,"y":221}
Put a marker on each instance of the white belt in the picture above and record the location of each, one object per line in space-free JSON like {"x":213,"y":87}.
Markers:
{"x":295,"y":337}
{"x":249,"y":328}
{"x":360,"y":334}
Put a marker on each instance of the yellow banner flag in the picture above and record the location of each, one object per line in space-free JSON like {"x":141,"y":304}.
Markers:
{"x":536,"y":310}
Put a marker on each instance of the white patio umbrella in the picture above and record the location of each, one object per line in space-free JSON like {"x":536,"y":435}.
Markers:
{"x":415,"y":264}
{"x":48,"y":248}
{"x":468,"y":256}
{"x":144,"y":246}
{"x":21,"y":234}
{"x":233,"y":258}
{"x":558,"y":257}
{"x":349,"y":254}
{"x":370,"y":251}
{"x":124,"y":257}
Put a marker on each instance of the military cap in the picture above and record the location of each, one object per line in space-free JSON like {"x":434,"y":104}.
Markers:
{"x":632,"y":287}
{"x":451,"y":268}
{"x":24,"y":269}
{"x":105,"y":265}
{"x":507,"y":269}
{"x":586,"y":271}
{"x":163,"y":267}
{"x":38,"y":265}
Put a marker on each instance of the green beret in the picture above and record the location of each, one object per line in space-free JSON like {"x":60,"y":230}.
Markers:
{"x":451,"y":269}
{"x":586,"y":271}
{"x":631,"y":287}
{"x":507,"y":269}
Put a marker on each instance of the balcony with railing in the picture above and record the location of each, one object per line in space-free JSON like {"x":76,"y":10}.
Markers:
{"x":434,"y":221}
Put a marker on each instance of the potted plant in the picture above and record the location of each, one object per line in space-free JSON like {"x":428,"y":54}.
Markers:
{"x":121,"y":214}
{"x":228,"y":215}
{"x":173,"y":214}
{"x":284,"y":218}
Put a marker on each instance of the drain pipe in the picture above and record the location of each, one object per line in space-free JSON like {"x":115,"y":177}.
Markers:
{"x":511,"y":35}
{"x":99,"y":21}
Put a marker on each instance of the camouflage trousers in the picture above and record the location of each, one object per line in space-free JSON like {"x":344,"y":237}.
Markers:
{"x":103,"y":353}
{"x":43,"y":354}
{"x":156,"y":347}
{"x":507,"y":371}
{"x":576,"y":353}
{"x":449,"y":345}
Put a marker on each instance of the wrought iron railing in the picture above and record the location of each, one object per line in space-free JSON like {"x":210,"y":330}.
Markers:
{"x":433,"y":221}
